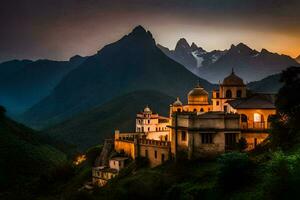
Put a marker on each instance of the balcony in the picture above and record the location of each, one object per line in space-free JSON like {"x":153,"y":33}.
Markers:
{"x":255,"y":125}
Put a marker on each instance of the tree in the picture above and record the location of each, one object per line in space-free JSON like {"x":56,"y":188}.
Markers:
{"x":242,"y":144}
{"x":286,"y":127}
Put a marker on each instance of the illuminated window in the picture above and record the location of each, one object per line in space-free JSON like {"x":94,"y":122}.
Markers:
{"x":257,"y":117}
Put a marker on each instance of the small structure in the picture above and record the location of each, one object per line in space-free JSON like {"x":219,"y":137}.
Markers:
{"x":117,"y":163}
{"x":101,"y":175}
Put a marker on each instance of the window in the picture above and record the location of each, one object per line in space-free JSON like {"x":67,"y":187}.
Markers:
{"x":148,"y":121}
{"x":155,"y":154}
{"x":162,"y":157}
{"x":218,"y":95}
{"x":148,"y":128}
{"x":201,"y":110}
{"x":228,"y":94}
{"x":239,"y":93}
{"x":206,"y":138}
{"x":195,"y":110}
{"x":230,"y":140}
{"x":178,"y":110}
{"x":217,"y":103}
{"x":257,"y":117}
{"x":183,"y":136}
{"x":244,"y":118}
{"x":146,"y":153}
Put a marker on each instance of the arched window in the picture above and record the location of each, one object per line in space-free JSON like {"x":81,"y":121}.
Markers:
{"x":228,"y":94}
{"x":257,"y":117}
{"x":178,"y":110}
{"x":201,"y":110}
{"x":195,"y":110}
{"x":217,"y":103}
{"x":244,"y":118}
{"x":239,"y":93}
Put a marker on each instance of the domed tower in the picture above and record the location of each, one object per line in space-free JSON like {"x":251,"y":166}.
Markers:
{"x":198,"y":96}
{"x":232,"y":87}
{"x":177,"y":106}
{"x":197,"y":100}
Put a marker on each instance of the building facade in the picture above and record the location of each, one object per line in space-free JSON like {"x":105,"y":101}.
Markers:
{"x":200,"y":128}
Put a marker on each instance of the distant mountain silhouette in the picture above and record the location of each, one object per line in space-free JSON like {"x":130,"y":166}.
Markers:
{"x":270,"y":84}
{"x":93,"y":126}
{"x":130,"y":64}
{"x":215,"y":65}
{"x":298,"y":59}
{"x":24,"y":83}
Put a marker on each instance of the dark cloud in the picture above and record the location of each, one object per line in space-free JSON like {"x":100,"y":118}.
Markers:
{"x":60,"y":28}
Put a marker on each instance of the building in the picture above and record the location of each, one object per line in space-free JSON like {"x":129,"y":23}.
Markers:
{"x":197,"y":135}
{"x":197,"y":102}
{"x":102,"y":174}
{"x":155,"y":127}
{"x":200,"y":128}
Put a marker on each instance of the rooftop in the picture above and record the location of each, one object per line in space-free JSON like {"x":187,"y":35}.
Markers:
{"x":256,"y":101}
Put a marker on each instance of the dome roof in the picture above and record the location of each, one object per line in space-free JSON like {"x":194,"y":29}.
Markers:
{"x":147,"y":109}
{"x":233,"y":79}
{"x":198,"y":96}
{"x":177,"y":102}
{"x":197,"y":91}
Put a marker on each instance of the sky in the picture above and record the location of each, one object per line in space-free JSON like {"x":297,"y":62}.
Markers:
{"x":60,"y":29}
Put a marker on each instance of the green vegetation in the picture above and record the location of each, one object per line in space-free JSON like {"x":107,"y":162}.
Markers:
{"x":25,"y":158}
{"x":32,"y":169}
{"x":92,"y":127}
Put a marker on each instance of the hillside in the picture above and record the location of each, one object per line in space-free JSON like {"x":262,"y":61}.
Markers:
{"x":270,"y":84}
{"x":24,"y":83}
{"x":133,"y":63}
{"x":25,"y":157}
{"x":252,"y":65}
{"x":91,"y":127}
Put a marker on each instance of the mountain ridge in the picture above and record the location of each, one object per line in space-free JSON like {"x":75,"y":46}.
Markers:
{"x":214,"y":65}
{"x":132,"y":63}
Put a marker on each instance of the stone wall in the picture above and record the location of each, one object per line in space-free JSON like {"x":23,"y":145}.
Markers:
{"x":128,"y":147}
{"x":157,"y":152}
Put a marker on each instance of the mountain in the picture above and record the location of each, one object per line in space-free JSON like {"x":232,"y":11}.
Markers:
{"x":252,"y":65}
{"x":298,"y":59}
{"x":93,"y":126}
{"x":130,"y":64}
{"x":25,"y":158}
{"x":270,"y":84}
{"x":23,"y":83}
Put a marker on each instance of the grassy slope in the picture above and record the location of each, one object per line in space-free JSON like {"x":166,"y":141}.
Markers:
{"x":24,"y":158}
{"x":91,"y":127}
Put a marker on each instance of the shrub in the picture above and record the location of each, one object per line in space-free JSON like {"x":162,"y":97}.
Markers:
{"x":282,"y":176}
{"x":235,"y":170}
{"x":242,"y":144}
